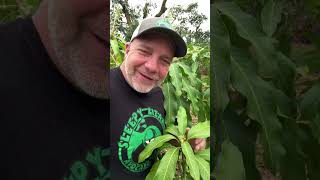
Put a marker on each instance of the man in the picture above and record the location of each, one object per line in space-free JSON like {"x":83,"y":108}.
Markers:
{"x":137,"y":112}
{"x":54,"y":97}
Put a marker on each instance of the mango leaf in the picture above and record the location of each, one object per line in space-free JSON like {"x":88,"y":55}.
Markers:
{"x":176,"y":77}
{"x":244,"y":137}
{"x":152,"y":173}
{"x":172,"y":130}
{"x":271,"y":16}
{"x":186,"y":104}
{"x":293,"y":165}
{"x":230,"y":163}
{"x":204,"y":154}
{"x":310,"y":108}
{"x":157,"y":142}
{"x":249,"y":29}
{"x":260,"y":106}
{"x":204,"y":168}
{"x":182,"y":120}
{"x":191,"y":77}
{"x":191,"y":160}
{"x":220,"y":68}
{"x":170,"y":103}
{"x":201,"y":130}
{"x":167,"y":166}
{"x":192,"y":94}
{"x":311,"y":102}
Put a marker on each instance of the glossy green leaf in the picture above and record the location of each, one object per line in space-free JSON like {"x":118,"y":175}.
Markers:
{"x":156,"y":143}
{"x":191,"y":160}
{"x":230,"y":163}
{"x":201,"y":130}
{"x":204,"y":154}
{"x":167,"y":166}
{"x":204,"y":168}
{"x":170,"y":103}
{"x":152,"y":173}
{"x":249,"y":29}
{"x":271,"y":16}
{"x":260,"y":106}
{"x":310,"y":108}
{"x":192,"y":94}
{"x":244,"y":137}
{"x":176,"y":76}
{"x":182,"y":120}
{"x":172,"y":130}
{"x":220,"y":68}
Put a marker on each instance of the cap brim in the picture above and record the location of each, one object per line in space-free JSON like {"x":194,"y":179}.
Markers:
{"x":181,"y":47}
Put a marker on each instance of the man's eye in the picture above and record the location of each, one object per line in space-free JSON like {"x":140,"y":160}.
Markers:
{"x":144,"y":52}
{"x":166,"y":61}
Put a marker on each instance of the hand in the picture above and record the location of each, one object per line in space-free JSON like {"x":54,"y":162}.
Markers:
{"x":197,"y":144}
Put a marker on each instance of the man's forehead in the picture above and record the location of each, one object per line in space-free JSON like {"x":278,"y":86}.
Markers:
{"x":153,"y":36}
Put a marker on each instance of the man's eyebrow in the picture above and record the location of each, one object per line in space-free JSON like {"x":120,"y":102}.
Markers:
{"x":165,"y":57}
{"x":146,"y":47}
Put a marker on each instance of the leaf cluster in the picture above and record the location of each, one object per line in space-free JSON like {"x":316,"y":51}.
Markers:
{"x":178,"y":153}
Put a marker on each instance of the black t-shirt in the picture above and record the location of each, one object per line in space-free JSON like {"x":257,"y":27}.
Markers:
{"x":135,"y":119}
{"x":49,"y":129}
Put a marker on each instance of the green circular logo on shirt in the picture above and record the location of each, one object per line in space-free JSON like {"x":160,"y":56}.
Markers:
{"x":140,"y":129}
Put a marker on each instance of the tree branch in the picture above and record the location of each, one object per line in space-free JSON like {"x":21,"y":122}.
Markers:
{"x":145,"y":10}
{"x":125,"y":10}
{"x":162,"y":9}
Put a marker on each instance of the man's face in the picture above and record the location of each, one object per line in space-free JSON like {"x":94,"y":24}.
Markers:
{"x":79,"y":38}
{"x":147,"y":61}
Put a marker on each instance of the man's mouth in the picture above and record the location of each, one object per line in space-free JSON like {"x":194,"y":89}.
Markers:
{"x":146,"y":77}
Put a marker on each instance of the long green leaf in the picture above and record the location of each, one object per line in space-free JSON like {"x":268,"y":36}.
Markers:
{"x":172,"y":130}
{"x":204,"y":168}
{"x":201,"y":130}
{"x":176,"y":76}
{"x":191,"y":160}
{"x":221,"y":61}
{"x":170,"y":103}
{"x":220,"y":68}
{"x":182,"y":120}
{"x":157,"y":142}
{"x":310,"y":107}
{"x":230,"y":163}
{"x":167,"y":167}
{"x":244,"y":137}
{"x":249,"y":29}
{"x":204,"y":154}
{"x":192,"y":93}
{"x":260,"y":105}
{"x":152,"y":173}
{"x":271,"y":17}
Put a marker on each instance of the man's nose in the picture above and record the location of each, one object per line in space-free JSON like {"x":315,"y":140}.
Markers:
{"x":152,"y":64}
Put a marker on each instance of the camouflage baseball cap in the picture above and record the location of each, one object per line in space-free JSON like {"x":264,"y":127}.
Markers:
{"x":162,"y":25}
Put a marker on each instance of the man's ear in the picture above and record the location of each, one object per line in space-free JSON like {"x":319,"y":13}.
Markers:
{"x":127,"y":45}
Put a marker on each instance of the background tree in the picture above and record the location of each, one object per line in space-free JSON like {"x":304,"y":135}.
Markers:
{"x":187,"y":19}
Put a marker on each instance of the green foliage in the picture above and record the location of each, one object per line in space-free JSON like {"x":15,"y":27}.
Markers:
{"x":117,"y":50}
{"x":11,"y":9}
{"x":257,"y":96}
{"x":180,"y":153}
{"x":187,"y":85}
